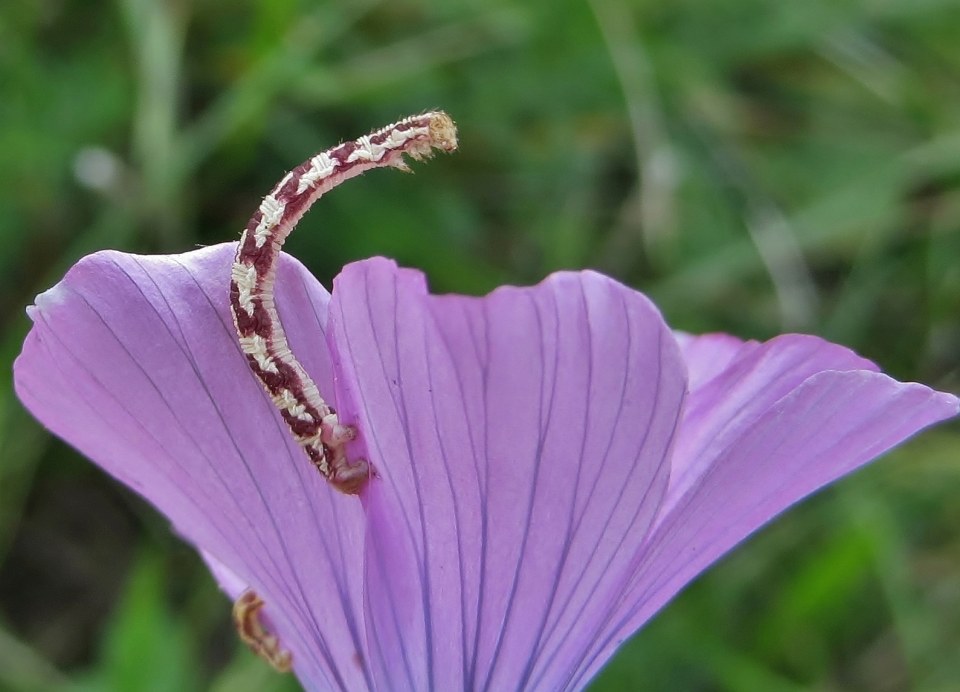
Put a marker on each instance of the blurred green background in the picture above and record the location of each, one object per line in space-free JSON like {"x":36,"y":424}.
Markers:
{"x":756,"y":166}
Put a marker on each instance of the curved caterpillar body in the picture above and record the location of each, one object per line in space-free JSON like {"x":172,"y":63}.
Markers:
{"x":312,"y":421}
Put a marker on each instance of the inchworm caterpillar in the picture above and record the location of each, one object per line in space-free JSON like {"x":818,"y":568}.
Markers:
{"x":314,"y":424}
{"x":246,"y":616}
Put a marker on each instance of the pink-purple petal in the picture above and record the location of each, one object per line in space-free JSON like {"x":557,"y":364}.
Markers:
{"x":522,"y":445}
{"x":707,"y":355}
{"x":752,"y":378}
{"x":830,"y":424}
{"x":134,"y":361}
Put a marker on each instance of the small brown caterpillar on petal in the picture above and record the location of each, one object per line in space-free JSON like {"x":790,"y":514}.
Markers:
{"x":246,"y":616}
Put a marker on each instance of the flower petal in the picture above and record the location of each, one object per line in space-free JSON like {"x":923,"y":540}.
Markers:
{"x":761,"y":463}
{"x":521,"y":442}
{"x":737,"y":381}
{"x":707,"y":355}
{"x":134,"y":361}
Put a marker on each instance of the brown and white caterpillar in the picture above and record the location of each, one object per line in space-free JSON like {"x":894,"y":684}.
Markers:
{"x":312,"y":421}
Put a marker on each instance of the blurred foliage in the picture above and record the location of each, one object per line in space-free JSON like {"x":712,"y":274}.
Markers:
{"x":756,"y":166}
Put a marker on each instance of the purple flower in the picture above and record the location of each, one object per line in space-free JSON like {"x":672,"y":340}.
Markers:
{"x":552,"y":464}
